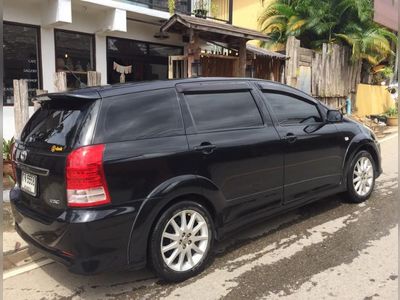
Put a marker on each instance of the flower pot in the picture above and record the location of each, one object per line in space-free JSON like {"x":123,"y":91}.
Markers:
{"x":392,"y":121}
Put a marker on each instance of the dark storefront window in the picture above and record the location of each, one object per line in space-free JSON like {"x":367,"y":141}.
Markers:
{"x":149,"y":61}
{"x":21,"y":58}
{"x":75,"y":54}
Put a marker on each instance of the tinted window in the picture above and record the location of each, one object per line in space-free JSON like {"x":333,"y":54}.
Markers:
{"x":223,"y":110}
{"x":55,"y":123}
{"x":290,"y":110}
{"x":148,"y":61}
{"x":21,"y":59}
{"x":142,"y":115}
{"x":75,"y":54}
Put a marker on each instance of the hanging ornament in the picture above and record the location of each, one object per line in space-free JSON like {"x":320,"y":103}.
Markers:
{"x":122,"y":70}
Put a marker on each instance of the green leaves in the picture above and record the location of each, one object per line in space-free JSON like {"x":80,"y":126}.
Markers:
{"x":371,"y":44}
{"x":329,"y":21}
{"x":7,"y":148}
{"x":392,"y":112}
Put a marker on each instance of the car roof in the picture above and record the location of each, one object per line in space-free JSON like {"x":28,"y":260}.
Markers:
{"x":96,"y":92}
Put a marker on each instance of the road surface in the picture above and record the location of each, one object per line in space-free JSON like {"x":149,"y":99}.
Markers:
{"x":326,"y":250}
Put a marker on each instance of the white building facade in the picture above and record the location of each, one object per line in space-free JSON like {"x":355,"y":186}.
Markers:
{"x":42,"y":37}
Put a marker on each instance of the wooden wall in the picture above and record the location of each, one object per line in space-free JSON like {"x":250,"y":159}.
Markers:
{"x":219,"y":66}
{"x":268,"y":68}
{"x":333,"y":76}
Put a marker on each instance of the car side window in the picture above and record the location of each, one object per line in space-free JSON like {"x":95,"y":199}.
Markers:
{"x":223,"y":110}
{"x":141,"y":115}
{"x":290,"y":110}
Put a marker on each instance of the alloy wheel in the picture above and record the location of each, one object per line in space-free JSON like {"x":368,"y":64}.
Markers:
{"x":185,"y":240}
{"x":363,"y":176}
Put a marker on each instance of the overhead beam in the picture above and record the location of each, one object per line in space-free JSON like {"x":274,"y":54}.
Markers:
{"x":56,"y":13}
{"x":113,"y":20}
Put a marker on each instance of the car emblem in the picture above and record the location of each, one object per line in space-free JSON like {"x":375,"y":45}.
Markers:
{"x":23,"y":155}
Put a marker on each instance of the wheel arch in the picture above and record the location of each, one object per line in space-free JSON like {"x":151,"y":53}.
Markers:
{"x":177,"y":189}
{"x":357,"y":146}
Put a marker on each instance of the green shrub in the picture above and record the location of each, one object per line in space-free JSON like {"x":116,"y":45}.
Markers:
{"x":392,"y":112}
{"x":7,"y":147}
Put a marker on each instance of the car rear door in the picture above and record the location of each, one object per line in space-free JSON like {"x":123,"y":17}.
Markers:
{"x":312,"y":146}
{"x":40,"y":154}
{"x":234,"y":145}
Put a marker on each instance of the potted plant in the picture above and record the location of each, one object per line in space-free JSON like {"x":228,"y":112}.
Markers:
{"x":8,"y":174}
{"x":200,"y":10}
{"x":392,"y":116}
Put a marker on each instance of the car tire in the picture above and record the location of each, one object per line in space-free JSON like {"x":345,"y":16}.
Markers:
{"x":181,"y":247}
{"x":360,"y":177}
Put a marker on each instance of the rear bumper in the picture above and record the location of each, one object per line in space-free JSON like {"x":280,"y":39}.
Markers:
{"x":87,"y":241}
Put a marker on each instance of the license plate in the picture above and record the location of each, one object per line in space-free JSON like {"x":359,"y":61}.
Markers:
{"x":29,"y":183}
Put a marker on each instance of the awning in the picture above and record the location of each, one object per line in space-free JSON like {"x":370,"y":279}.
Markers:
{"x":264,"y":52}
{"x":211,"y":30}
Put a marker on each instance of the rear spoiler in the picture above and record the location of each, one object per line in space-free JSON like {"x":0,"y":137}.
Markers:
{"x":84,"y":94}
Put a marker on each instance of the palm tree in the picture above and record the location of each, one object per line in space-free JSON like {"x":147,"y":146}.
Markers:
{"x":372,"y":44}
{"x":328,"y":21}
{"x":312,"y":20}
{"x":274,"y":20}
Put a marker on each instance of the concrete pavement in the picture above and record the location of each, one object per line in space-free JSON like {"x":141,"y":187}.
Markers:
{"x":326,"y":250}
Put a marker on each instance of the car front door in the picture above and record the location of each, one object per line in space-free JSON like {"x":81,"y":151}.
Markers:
{"x":312,"y":146}
{"x":235,"y":146}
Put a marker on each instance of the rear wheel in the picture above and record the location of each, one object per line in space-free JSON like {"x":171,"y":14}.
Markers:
{"x":181,"y":242}
{"x":360,"y":177}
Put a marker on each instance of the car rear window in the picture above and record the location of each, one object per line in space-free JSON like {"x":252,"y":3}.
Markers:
{"x":140,"y":115}
{"x":56,"y":122}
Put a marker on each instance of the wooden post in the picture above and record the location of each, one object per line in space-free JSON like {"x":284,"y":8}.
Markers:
{"x":242,"y":58}
{"x":193,"y":50}
{"x":38,"y":93}
{"x":21,"y":104}
{"x":93,"y":78}
{"x":170,"y":68}
{"x":292,"y":48}
{"x":60,"y":81}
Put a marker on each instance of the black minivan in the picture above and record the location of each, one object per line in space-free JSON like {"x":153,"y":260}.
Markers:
{"x":121,"y":176}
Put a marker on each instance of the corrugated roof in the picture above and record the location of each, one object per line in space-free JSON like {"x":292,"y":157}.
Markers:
{"x":206,"y":25}
{"x":261,"y":51}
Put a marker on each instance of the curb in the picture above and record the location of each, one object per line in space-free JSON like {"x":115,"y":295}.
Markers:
{"x":387,"y":137}
{"x":11,"y":252}
{"x":13,"y":258}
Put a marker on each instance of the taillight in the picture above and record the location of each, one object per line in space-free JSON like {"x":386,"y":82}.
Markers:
{"x":86,"y":182}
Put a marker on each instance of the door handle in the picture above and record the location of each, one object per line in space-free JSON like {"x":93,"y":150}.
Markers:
{"x":205,"y":148}
{"x":290,"y":138}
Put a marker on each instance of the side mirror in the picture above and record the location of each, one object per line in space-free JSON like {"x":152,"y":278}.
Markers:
{"x":334,"y":116}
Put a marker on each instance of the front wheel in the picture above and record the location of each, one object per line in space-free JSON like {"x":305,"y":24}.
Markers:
{"x":360,"y":177}
{"x":181,"y":242}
